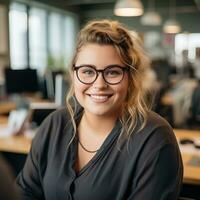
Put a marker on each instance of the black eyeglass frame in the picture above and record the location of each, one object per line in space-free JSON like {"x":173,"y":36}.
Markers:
{"x":76,"y":68}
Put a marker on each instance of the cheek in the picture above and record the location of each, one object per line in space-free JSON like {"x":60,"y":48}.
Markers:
{"x":123,"y":90}
{"x":122,"y":93}
{"x":79,"y":87}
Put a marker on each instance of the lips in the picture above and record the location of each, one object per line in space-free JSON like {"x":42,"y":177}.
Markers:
{"x":99,"y":98}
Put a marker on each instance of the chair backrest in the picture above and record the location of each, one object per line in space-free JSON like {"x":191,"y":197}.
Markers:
{"x":195,"y":104}
{"x":50,"y":79}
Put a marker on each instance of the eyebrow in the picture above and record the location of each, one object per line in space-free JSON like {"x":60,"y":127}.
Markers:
{"x":90,"y":65}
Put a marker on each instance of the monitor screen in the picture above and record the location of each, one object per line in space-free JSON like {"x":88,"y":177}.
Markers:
{"x":21,"y":81}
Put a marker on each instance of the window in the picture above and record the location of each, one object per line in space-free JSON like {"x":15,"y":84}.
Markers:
{"x":56,"y":35}
{"x":70,"y":37}
{"x":40,"y":34}
{"x":186,"y":43}
{"x":37,"y":39}
{"x":18,"y":35}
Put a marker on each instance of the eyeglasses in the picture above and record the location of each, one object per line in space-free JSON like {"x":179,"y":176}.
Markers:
{"x":88,"y":74}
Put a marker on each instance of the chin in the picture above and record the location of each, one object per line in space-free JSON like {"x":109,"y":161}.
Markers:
{"x":101,"y":113}
{"x":98,"y":113}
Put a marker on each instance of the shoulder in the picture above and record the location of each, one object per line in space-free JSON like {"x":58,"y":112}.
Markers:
{"x":155,"y":120}
{"x":55,"y":128}
{"x":51,"y":127}
{"x":56,"y":125}
{"x":157,"y":125}
{"x":154,"y":135}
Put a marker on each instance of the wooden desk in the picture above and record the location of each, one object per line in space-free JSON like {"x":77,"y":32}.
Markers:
{"x":3,"y":119}
{"x":15,"y":144}
{"x":6,"y":107}
{"x":191,"y":173}
{"x":20,"y":143}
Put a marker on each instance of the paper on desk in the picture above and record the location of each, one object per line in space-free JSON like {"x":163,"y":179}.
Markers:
{"x":16,"y":123}
{"x":5,"y":131}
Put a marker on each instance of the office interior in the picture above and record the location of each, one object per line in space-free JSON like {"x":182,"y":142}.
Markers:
{"x":37,"y":40}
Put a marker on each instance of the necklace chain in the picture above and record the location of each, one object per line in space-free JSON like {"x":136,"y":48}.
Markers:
{"x":89,"y":151}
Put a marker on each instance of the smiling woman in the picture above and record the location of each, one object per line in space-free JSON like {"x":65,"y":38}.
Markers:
{"x":107,"y":144}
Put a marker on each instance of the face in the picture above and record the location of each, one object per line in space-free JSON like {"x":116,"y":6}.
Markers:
{"x":100,"y":98}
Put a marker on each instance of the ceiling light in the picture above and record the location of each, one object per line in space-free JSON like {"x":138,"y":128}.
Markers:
{"x":151,"y":18}
{"x":128,"y":8}
{"x":171,"y":26}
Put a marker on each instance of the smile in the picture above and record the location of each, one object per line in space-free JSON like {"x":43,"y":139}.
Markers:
{"x":99,"y":98}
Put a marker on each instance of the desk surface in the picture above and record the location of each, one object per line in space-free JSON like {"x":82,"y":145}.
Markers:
{"x":191,"y":173}
{"x":22,"y":144}
{"x":5,"y":108}
{"x":15,"y":144}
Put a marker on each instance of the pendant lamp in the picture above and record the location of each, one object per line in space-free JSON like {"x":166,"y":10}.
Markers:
{"x":172,"y":25}
{"x":151,"y":17}
{"x":128,"y":8}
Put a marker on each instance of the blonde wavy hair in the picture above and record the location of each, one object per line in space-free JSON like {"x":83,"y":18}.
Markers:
{"x":128,"y":46}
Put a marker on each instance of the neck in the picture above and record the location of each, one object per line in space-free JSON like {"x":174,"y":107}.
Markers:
{"x":98,"y":124}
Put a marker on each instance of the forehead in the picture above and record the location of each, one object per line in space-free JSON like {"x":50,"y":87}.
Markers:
{"x":98,"y":55}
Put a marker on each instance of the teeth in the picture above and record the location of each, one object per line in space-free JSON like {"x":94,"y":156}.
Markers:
{"x":99,"y":97}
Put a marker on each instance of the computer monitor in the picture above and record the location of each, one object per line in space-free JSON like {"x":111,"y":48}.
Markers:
{"x":21,"y":81}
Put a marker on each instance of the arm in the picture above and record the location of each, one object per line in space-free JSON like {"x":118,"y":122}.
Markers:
{"x":160,"y":176}
{"x":29,"y":180}
{"x":7,"y":189}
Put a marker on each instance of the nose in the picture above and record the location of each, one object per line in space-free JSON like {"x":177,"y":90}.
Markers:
{"x":100,"y":82}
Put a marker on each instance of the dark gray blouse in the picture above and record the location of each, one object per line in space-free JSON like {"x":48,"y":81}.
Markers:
{"x":148,"y":168}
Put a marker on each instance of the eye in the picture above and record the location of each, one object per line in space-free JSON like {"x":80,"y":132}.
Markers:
{"x":87,"y":71}
{"x":113,"y":72}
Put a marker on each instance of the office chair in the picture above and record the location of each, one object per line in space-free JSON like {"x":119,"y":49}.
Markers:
{"x":194,"y":120}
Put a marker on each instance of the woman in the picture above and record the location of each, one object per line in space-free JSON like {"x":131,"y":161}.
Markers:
{"x":107,"y":144}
